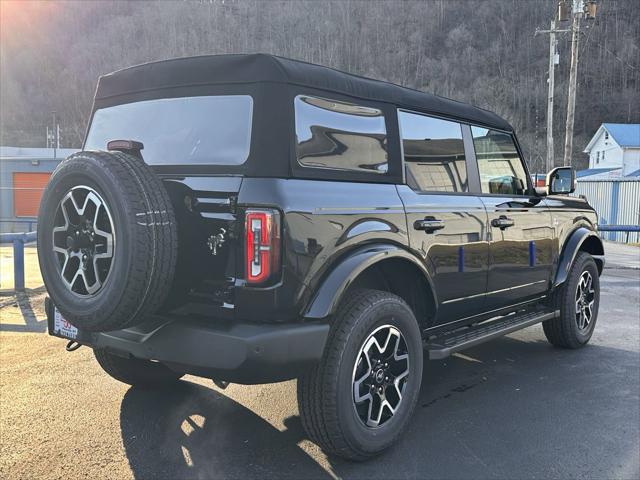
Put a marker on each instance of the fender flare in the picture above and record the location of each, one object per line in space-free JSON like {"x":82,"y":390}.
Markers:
{"x":333,"y":286}
{"x":570,"y":250}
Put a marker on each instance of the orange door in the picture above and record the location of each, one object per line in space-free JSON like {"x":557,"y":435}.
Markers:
{"x":27,"y":191}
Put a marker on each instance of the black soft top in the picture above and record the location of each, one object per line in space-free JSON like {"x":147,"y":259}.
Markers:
{"x":209,"y":70}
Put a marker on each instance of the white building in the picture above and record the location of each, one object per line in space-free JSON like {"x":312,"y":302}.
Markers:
{"x":614,"y":150}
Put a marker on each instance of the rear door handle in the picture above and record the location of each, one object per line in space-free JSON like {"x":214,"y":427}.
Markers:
{"x":429,"y":224}
{"x":502,"y":222}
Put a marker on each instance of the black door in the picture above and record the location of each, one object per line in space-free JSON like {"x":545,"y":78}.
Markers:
{"x":447,"y":225}
{"x":519,"y":223}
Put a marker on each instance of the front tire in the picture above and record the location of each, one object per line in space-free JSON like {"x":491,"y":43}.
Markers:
{"x":360,"y":398}
{"x":135,"y":371}
{"x":578,"y":301}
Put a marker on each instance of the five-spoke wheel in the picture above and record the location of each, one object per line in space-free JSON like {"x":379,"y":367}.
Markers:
{"x":104,"y":268}
{"x":83,"y":240}
{"x":380,"y":376}
{"x":585,"y":298}
{"x":577,"y":300}
{"x":359,"y":399}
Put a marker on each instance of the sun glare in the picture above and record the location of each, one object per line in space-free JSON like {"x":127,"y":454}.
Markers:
{"x":19,"y":18}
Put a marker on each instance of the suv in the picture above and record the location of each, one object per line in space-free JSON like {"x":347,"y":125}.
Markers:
{"x":253,"y":219}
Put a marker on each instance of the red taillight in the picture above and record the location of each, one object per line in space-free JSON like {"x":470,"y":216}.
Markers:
{"x":262,"y":251}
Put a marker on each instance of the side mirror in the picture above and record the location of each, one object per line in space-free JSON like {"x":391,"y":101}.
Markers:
{"x":561,"y":180}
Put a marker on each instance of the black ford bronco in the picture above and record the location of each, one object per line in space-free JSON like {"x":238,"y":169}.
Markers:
{"x":253,"y":219}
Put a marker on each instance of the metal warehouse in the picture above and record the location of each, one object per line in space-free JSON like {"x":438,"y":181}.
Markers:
{"x":24,"y":172}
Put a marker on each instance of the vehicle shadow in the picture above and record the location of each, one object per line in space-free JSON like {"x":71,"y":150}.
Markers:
{"x":514,"y":408}
{"x":31,"y":322}
{"x":519,"y":408}
{"x":190,"y":431}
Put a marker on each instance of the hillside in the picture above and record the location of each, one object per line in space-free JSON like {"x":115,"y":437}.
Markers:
{"x":483,"y":52}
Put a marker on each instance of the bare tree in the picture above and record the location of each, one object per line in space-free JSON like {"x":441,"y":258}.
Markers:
{"x":51,"y":54}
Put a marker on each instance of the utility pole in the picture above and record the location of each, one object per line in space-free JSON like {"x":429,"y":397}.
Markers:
{"x":55,"y":131}
{"x":551,"y":80}
{"x":576,"y":11}
{"x":553,"y":61}
{"x":55,"y":134}
{"x":573,"y":78}
{"x":588,"y":10}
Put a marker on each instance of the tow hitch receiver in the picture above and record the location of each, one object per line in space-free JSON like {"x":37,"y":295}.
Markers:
{"x":72,"y":346}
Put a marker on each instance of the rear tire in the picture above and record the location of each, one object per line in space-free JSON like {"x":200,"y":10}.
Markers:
{"x":334,"y":418}
{"x":134,"y":371}
{"x":578,"y":300}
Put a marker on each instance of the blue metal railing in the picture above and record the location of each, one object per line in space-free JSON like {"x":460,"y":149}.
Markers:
{"x":619,"y":228}
{"x":31,"y":222}
{"x":18,"y":240}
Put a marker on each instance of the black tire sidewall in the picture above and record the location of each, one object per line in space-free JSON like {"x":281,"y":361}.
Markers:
{"x":373,"y":440}
{"x":583,"y":263}
{"x":83,"y":172}
{"x":136,"y":371}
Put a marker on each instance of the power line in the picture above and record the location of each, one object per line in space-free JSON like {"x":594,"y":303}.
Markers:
{"x":613,"y":54}
{"x":596,"y":21}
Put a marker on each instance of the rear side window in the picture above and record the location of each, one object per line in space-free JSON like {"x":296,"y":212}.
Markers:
{"x":340,"y":135}
{"x":213,"y":130}
{"x":500,"y":165}
{"x":433,"y":153}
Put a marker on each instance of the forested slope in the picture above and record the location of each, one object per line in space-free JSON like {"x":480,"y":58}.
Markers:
{"x":483,"y":52}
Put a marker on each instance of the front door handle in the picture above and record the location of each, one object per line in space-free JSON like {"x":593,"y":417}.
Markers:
{"x":502,"y":222}
{"x":429,"y":224}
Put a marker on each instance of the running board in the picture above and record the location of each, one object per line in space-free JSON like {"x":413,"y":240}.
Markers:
{"x":442,"y":346}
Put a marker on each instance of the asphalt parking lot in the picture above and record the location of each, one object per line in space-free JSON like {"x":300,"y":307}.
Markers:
{"x":514,"y":408}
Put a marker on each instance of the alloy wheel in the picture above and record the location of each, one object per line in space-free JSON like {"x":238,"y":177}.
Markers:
{"x":83,"y":240}
{"x":380,"y":376}
{"x":585,"y":298}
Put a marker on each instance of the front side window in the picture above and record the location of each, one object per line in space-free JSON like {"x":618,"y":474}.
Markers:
{"x":500,"y":165}
{"x":340,"y":135}
{"x":433,"y":153}
{"x":213,"y":130}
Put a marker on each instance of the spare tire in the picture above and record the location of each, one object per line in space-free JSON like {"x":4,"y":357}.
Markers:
{"x":107,"y":240}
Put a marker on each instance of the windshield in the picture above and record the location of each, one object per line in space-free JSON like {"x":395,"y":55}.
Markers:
{"x":212,"y":130}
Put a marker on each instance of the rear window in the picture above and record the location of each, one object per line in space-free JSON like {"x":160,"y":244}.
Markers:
{"x":214,"y":130}
{"x":340,"y":135}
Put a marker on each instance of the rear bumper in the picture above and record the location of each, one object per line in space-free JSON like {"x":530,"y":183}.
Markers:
{"x":239,"y":353}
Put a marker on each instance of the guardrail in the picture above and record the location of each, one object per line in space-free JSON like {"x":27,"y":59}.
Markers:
{"x":29,"y":221}
{"x":619,"y":228}
{"x":18,"y":240}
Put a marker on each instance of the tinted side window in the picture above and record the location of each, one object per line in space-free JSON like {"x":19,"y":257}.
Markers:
{"x":340,"y":135}
{"x":433,"y":153}
{"x":500,"y":165}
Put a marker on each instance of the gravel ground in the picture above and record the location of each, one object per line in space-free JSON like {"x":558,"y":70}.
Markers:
{"x":514,"y":408}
